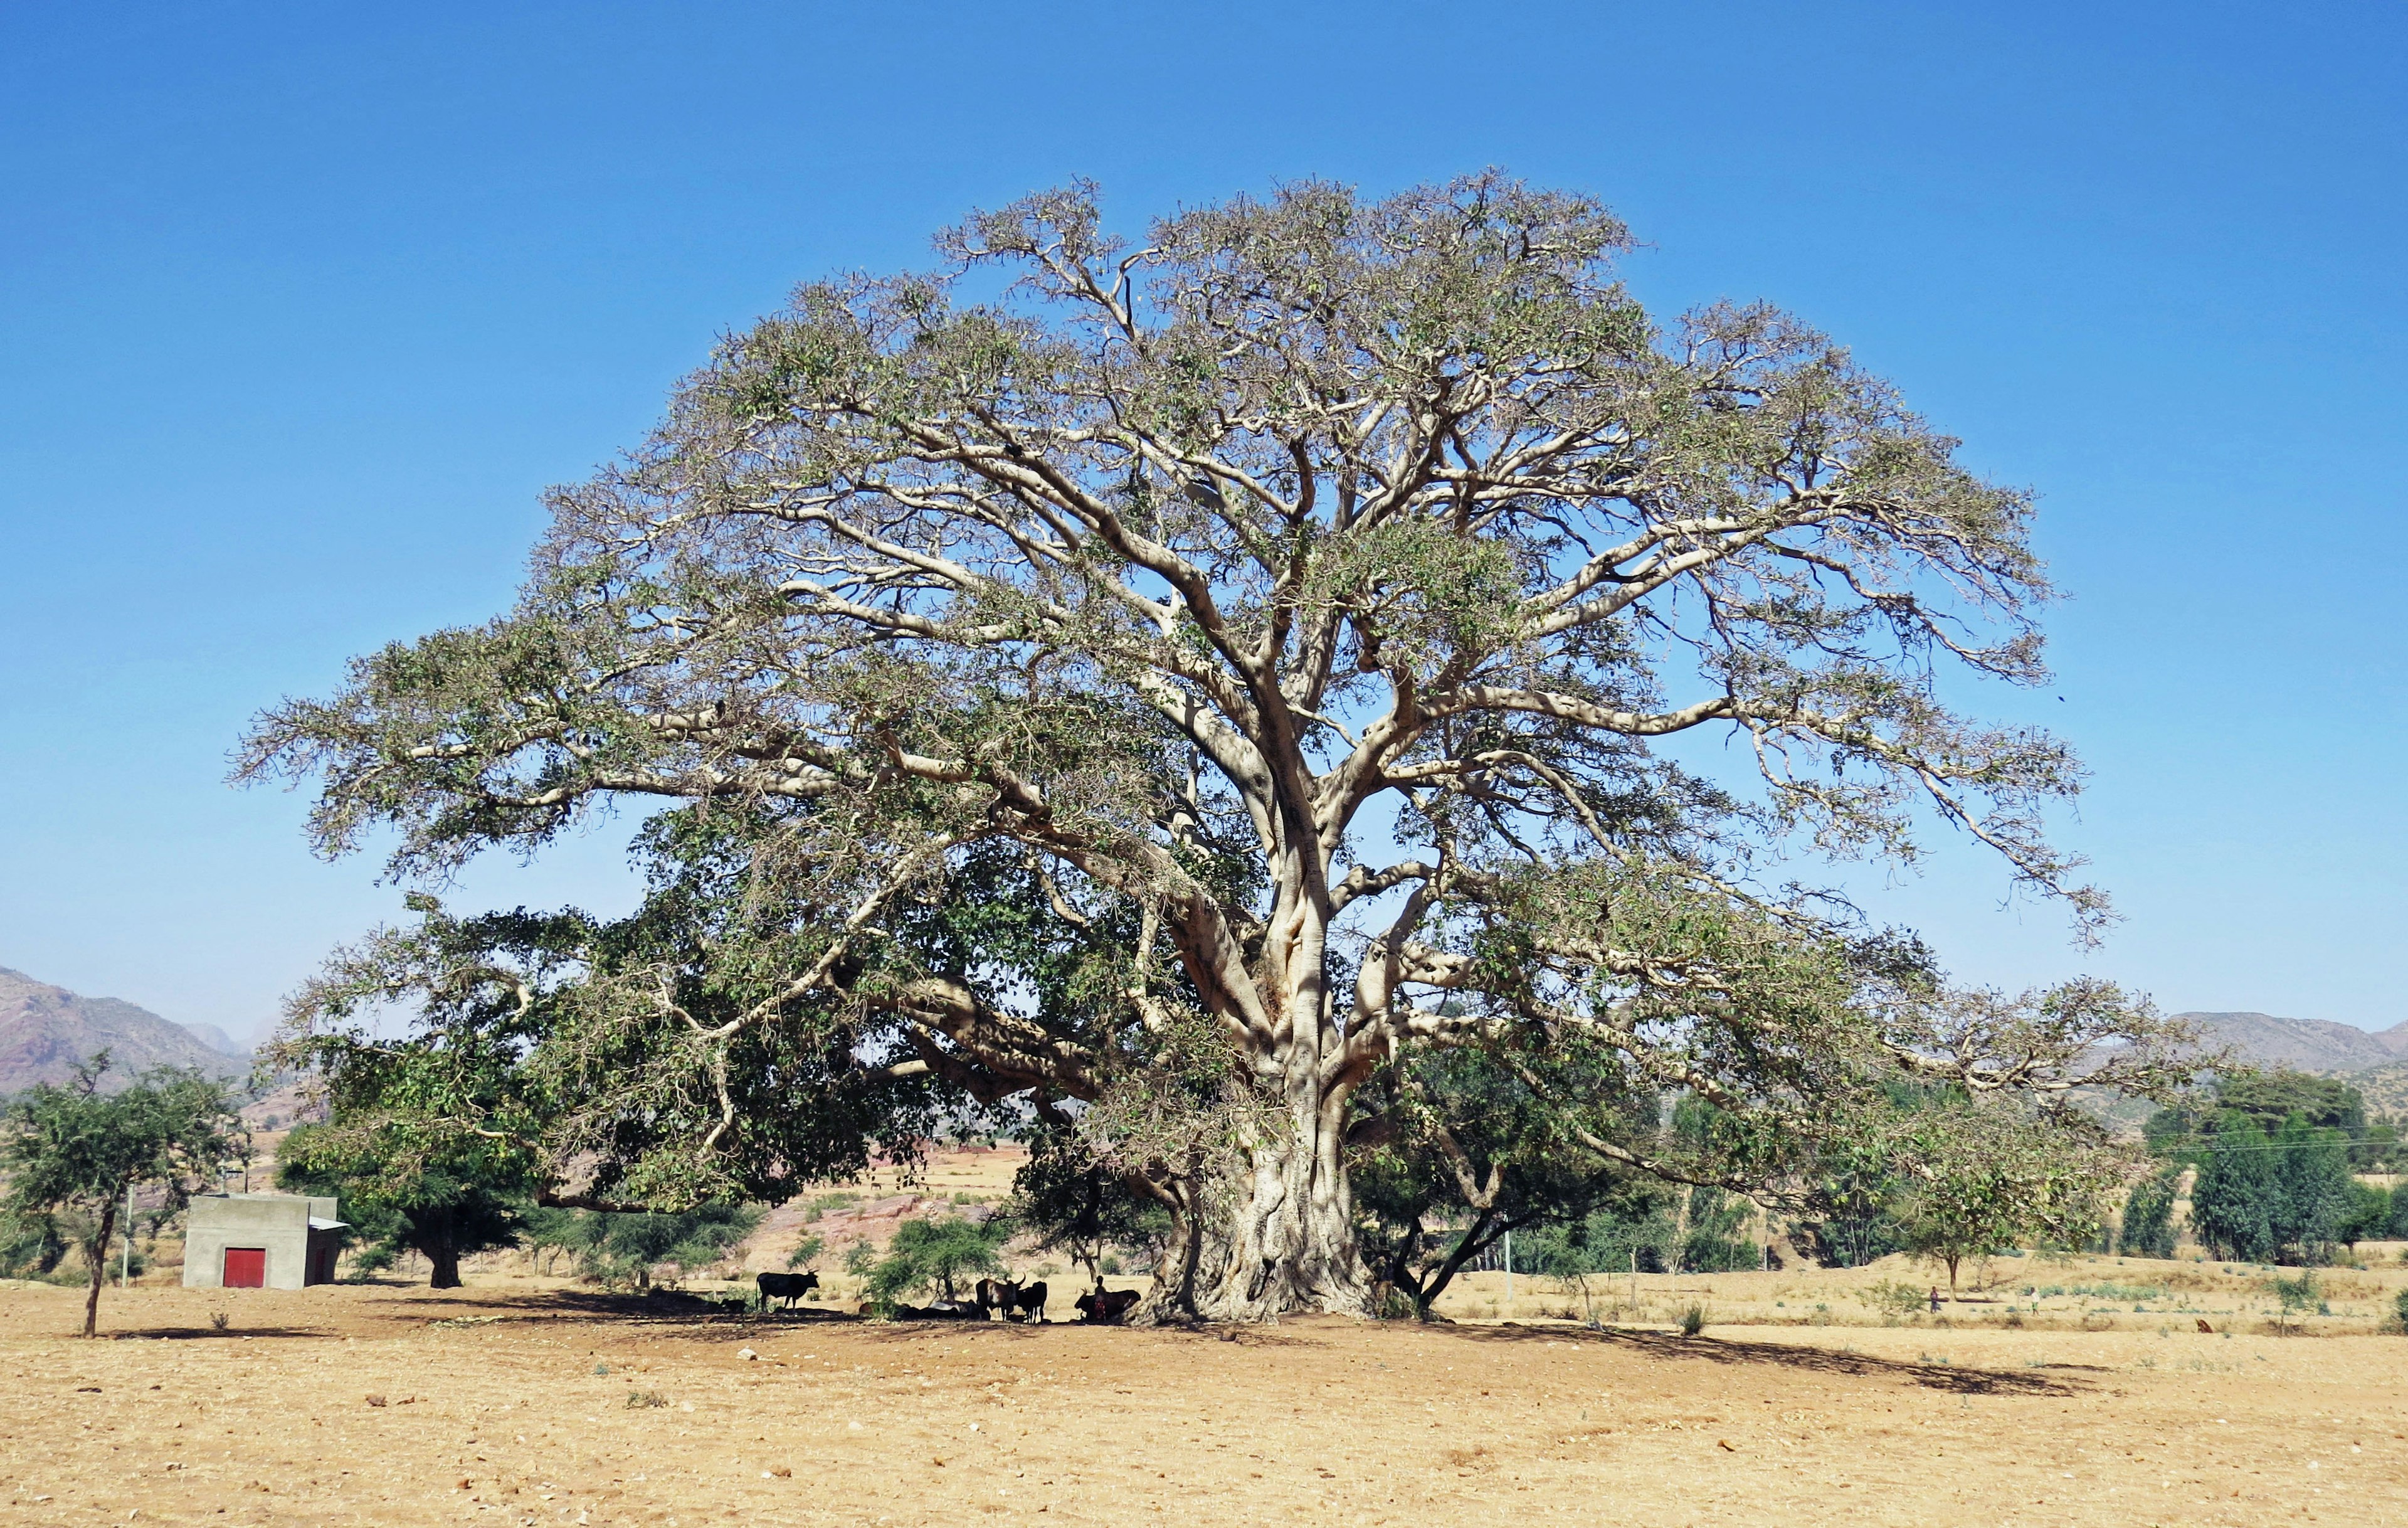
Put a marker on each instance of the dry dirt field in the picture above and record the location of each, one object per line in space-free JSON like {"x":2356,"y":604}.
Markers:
{"x":515,"y":1403}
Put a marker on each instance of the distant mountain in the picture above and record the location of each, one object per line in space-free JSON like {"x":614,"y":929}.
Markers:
{"x":45,"y":1030}
{"x":2310,"y":1045}
{"x":2384,"y":1088}
{"x":218,"y":1041}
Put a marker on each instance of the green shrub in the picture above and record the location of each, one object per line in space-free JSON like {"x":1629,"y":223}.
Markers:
{"x":930,"y":1254}
{"x":1897,"y":1298}
{"x":1693,"y":1320}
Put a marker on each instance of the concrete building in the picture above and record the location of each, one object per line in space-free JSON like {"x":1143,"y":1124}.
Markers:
{"x":259,"y":1241}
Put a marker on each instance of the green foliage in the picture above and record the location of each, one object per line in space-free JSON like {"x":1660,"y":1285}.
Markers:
{"x":30,"y":1245}
{"x":2148,"y":1226}
{"x":71,"y":1155}
{"x":621,"y":1249}
{"x":2295,"y":1296}
{"x":807,"y":1251}
{"x":2267,"y":1100}
{"x":1693,"y":1320}
{"x":1069,"y":1204}
{"x":2367,"y":1215}
{"x":1895,"y":1297}
{"x":932,"y":1254}
{"x":2280,"y":1200}
{"x":2272,"y":1098}
{"x":1715,"y":1242}
{"x":444,"y":1198}
{"x":1473,"y":1147}
{"x":2400,"y":1311}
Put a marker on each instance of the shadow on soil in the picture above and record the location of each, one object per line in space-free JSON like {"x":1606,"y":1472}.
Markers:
{"x":1658,"y":1345}
{"x":205,"y":1333}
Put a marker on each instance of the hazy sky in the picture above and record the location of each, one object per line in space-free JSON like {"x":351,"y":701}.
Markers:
{"x":300,"y":308}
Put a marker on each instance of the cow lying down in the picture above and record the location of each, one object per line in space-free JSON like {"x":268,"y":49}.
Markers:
{"x":1106,"y":1307}
{"x":943,"y":1310}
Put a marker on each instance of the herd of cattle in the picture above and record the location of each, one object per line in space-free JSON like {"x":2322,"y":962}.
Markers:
{"x":995,"y":1296}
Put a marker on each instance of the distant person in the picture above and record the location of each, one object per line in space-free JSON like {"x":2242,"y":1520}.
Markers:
{"x":1935,"y":1300}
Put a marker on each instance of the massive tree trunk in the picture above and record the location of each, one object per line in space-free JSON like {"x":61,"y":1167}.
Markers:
{"x":1267,"y":1235}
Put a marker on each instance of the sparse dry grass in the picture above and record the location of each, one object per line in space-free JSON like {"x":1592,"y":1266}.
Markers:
{"x":520,"y":1403}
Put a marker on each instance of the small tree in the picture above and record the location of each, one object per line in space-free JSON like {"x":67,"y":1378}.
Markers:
{"x":2368,"y":1213}
{"x":1469,"y":1151}
{"x":937,"y":1254}
{"x":1980,"y":1178}
{"x":72,"y":1154}
{"x":1069,"y":1204}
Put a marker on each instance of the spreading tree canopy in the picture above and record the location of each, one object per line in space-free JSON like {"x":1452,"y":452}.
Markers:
{"x":1161,"y":683}
{"x":74,"y":1153}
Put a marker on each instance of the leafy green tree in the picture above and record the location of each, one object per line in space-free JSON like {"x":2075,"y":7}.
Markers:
{"x":444,"y":1201}
{"x":30,"y":1247}
{"x":1849,"y":1217}
{"x":2233,"y":1203}
{"x":1468,"y":1147}
{"x":2314,"y":1191}
{"x":1268,"y":629}
{"x":2148,"y":1228}
{"x":1982,"y":1179}
{"x":1633,"y":1233}
{"x":932,"y":1254}
{"x":1069,"y":1204}
{"x":2272,"y":1098}
{"x":1714,"y":1239}
{"x":2368,"y":1213}
{"x":72,"y":1154}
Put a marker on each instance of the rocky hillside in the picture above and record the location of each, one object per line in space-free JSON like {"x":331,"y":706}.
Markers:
{"x":2309,"y":1044}
{"x":45,"y":1030}
{"x":2375,"y":1064}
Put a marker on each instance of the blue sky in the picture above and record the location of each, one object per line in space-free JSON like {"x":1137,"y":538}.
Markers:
{"x":301,"y":307}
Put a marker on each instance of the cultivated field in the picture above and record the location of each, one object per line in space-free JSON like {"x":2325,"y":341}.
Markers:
{"x":528,"y":1402}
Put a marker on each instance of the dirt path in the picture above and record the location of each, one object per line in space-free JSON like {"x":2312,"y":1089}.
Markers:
{"x":538,"y":1410}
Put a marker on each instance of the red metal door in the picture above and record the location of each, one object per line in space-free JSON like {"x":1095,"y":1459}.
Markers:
{"x":246,"y":1268}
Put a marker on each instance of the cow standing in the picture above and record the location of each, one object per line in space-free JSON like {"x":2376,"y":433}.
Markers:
{"x":787,"y":1287}
{"x":1032,"y":1302}
{"x":998,"y":1294}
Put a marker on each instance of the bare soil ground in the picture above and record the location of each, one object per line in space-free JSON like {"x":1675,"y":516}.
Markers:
{"x":516,"y":1400}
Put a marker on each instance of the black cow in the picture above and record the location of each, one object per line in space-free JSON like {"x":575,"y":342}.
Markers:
{"x":1106,"y":1307}
{"x":787,"y":1287}
{"x":1031,"y":1302}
